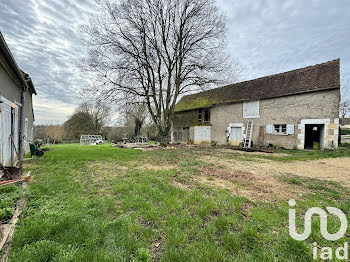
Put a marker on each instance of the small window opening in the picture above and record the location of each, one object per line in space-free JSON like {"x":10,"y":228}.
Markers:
{"x":203,"y":116}
{"x":280,"y":129}
{"x":207,"y":116}
{"x":200,"y":117}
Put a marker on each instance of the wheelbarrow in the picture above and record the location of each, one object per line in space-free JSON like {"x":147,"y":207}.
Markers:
{"x":34,"y":151}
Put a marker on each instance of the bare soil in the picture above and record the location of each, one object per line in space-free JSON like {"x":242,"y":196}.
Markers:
{"x":255,"y":186}
{"x":262,"y":179}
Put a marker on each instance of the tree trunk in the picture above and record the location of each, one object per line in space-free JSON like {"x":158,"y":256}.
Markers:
{"x":163,"y":138}
{"x":138,"y":126}
{"x":163,"y":141}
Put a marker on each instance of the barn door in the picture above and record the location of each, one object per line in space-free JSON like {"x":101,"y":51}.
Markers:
{"x":5,"y":134}
{"x":8,"y":124}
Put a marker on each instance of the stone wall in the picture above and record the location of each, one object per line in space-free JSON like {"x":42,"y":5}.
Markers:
{"x":283,"y":110}
{"x":294,"y":111}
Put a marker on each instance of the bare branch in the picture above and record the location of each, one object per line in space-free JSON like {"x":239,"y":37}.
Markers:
{"x":156,"y":50}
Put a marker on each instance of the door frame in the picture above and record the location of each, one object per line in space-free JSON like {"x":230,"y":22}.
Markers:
{"x":235,"y":125}
{"x":14,"y":114}
{"x":301,"y":136}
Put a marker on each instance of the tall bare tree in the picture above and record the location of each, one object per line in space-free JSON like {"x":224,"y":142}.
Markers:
{"x":98,"y":110}
{"x":344,"y":106}
{"x":156,"y":50}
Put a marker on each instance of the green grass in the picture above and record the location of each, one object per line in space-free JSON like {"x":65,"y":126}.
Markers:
{"x":9,"y":195}
{"x":95,"y":203}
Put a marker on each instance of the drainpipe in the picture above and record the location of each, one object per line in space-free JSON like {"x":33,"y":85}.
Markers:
{"x":21,"y":118}
{"x":12,"y":132}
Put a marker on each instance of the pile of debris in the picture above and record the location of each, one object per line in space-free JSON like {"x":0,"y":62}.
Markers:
{"x":12,"y":175}
{"x":138,"y":142}
{"x":137,"y":146}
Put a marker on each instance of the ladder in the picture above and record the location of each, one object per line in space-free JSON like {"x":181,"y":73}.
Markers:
{"x":248,"y":134}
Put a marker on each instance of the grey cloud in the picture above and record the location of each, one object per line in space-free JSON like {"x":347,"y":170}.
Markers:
{"x":266,"y":36}
{"x":276,"y":36}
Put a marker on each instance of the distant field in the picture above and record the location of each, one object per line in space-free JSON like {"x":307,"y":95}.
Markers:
{"x":101,"y":203}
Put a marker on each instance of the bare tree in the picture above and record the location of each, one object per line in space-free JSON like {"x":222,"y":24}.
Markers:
{"x":344,"y":106}
{"x":98,"y":111}
{"x":55,"y":132}
{"x":88,"y":118}
{"x":156,"y":50}
{"x":135,"y":113}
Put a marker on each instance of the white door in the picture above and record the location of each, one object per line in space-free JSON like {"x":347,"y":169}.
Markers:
{"x":6,"y":143}
{"x":236,"y":136}
{"x":202,"y":134}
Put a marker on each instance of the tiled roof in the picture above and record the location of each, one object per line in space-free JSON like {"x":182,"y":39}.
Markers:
{"x":309,"y":79}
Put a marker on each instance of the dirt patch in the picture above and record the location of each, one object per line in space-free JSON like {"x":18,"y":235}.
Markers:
{"x":226,"y":151}
{"x":181,"y":185}
{"x":101,"y":171}
{"x":223,"y":173}
{"x":99,"y":175}
{"x":255,"y":186}
{"x":331,"y":169}
{"x":261,"y":179}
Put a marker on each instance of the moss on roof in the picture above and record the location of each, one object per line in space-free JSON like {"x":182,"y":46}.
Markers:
{"x":313,"y":78}
{"x":187,"y":103}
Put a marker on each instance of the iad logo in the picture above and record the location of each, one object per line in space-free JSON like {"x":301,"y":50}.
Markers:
{"x":326,"y":252}
{"x":323,"y":218}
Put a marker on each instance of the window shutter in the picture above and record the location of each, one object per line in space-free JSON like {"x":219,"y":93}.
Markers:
{"x":290,"y":129}
{"x":250,"y":109}
{"x":269,"y":129}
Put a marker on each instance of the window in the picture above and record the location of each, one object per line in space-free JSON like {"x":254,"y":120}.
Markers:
{"x":280,"y":129}
{"x":203,"y":116}
{"x":206,"y":116}
{"x":251,"y":109}
{"x":285,"y":129}
{"x":200,"y":117}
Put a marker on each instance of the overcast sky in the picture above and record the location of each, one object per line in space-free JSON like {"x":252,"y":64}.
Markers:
{"x":267,"y":37}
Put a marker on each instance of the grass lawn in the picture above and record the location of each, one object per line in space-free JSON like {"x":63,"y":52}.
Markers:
{"x":99,"y":203}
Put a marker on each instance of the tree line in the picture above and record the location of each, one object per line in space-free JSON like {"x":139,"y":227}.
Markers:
{"x":93,"y":118}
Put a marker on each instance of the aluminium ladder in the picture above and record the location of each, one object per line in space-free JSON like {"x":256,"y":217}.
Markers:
{"x":248,"y":134}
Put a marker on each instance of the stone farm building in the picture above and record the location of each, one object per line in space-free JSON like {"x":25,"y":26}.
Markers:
{"x":296,"y":109}
{"x":16,"y":88}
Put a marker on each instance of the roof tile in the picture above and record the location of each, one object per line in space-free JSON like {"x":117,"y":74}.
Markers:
{"x":313,"y":78}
